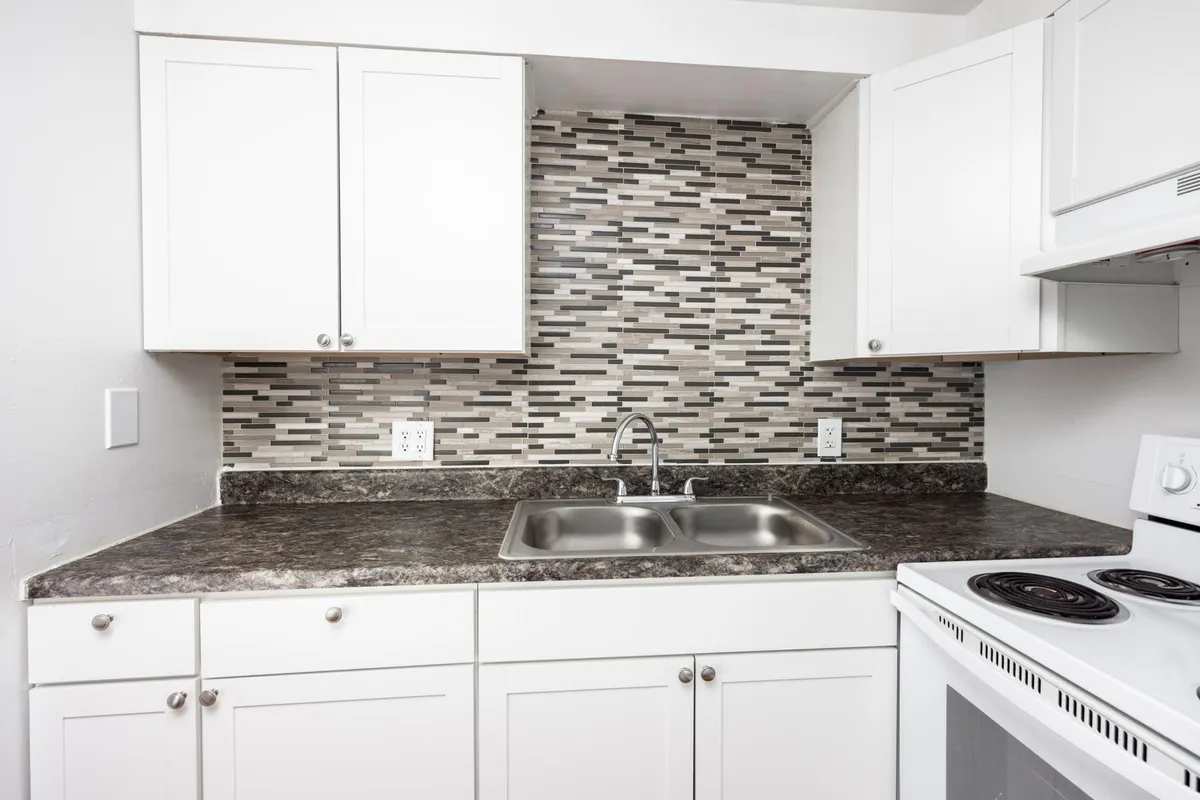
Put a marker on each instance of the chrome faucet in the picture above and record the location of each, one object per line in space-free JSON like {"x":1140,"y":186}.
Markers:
{"x":616,"y":447}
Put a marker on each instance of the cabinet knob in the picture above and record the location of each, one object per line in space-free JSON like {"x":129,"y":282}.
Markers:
{"x":333,"y":614}
{"x":175,"y":700}
{"x":685,"y":675}
{"x":101,"y":622}
{"x":708,"y":673}
{"x":874,"y":345}
{"x":208,"y":697}
{"x":347,"y":340}
{"x":324,"y":340}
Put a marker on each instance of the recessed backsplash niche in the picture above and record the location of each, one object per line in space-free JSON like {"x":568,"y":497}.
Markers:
{"x":669,"y":275}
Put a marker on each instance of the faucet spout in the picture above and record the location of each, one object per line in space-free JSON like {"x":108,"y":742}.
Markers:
{"x":616,"y":446}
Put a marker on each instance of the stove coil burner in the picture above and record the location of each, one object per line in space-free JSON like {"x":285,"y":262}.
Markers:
{"x":1150,"y":585}
{"x":1047,"y":596}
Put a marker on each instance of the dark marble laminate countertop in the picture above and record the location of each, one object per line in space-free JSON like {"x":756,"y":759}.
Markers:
{"x":333,"y":545}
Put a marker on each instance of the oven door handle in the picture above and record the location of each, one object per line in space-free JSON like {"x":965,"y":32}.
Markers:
{"x":1136,"y":771}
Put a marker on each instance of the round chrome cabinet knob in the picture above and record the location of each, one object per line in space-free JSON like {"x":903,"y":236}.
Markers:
{"x":685,"y":675}
{"x":323,"y":340}
{"x":347,"y":340}
{"x":334,"y":614}
{"x":708,"y":674}
{"x":101,"y":622}
{"x":874,"y":345}
{"x":208,"y":698}
{"x":1177,"y":479}
{"x":176,"y":700}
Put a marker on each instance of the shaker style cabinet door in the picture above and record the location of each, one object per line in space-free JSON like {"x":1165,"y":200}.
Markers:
{"x":434,"y":195}
{"x":612,"y":729}
{"x":819,"y":725}
{"x":955,"y":199}
{"x":367,"y":735}
{"x":239,"y":195}
{"x":110,"y":740}
{"x":1112,"y":60}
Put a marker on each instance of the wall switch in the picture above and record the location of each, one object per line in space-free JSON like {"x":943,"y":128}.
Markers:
{"x":120,"y":417}
{"x":412,"y":440}
{"x":829,"y":438}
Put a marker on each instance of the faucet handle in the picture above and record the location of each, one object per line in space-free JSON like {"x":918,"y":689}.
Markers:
{"x":621,"y":491}
{"x":688,"y":491}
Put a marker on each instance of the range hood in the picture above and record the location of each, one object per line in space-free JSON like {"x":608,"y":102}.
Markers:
{"x":1151,"y":255}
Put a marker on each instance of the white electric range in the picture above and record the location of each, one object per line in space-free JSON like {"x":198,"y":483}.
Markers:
{"x":1065,"y":678}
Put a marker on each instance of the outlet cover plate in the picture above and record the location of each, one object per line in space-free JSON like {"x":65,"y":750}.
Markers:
{"x":120,"y":417}
{"x":412,"y":440}
{"x":829,"y":438}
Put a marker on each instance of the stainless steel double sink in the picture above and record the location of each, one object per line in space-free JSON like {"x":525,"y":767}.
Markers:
{"x":687,"y":527}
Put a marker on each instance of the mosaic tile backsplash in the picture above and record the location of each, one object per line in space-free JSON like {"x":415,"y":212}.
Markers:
{"x":670,"y":275}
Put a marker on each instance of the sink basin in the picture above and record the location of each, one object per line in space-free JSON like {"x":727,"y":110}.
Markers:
{"x":751,"y":525}
{"x":542,"y":529}
{"x":568,"y":529}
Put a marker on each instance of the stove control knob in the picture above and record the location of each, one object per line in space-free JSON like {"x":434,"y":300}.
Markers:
{"x":1177,"y":479}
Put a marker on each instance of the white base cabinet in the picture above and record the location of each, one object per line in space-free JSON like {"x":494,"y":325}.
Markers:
{"x":368,"y":735}
{"x":114,"y":741}
{"x":775,"y":726}
{"x":588,"y":730}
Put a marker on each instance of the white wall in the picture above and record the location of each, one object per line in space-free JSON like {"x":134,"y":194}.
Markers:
{"x":1064,"y":433}
{"x":718,"y":32}
{"x":993,"y":16}
{"x":70,"y":321}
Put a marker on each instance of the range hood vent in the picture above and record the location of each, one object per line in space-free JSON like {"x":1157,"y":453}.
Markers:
{"x":1151,"y":255}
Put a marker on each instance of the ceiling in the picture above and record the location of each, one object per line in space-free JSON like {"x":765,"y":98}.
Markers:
{"x":686,"y":90}
{"x":920,"y":6}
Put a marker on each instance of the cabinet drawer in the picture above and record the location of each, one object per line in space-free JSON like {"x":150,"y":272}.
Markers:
{"x":337,"y":632}
{"x":71,"y":642}
{"x":557,"y":621}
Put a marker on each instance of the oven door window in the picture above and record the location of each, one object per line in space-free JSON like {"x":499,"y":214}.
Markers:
{"x":984,"y":762}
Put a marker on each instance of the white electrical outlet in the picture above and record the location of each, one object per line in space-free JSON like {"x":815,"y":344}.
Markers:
{"x":829,"y":438}
{"x":120,"y":417}
{"x":412,"y":440}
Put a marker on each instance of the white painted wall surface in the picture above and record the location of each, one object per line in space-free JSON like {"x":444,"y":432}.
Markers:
{"x":993,"y":16}
{"x":70,"y":318}
{"x":1064,"y":433}
{"x":718,"y":32}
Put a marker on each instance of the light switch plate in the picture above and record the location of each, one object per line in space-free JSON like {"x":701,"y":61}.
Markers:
{"x":412,"y":440}
{"x":829,"y":438}
{"x":120,"y":417}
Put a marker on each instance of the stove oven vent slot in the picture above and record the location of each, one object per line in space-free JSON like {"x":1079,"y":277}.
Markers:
{"x":1013,"y":668}
{"x":953,"y":628}
{"x":1104,"y":726}
{"x":1187,"y":184}
{"x":1191,"y":780}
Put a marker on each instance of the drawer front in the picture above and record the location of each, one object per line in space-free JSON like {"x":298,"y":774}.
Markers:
{"x":102,"y":641}
{"x":336,"y":632}
{"x":559,"y":621}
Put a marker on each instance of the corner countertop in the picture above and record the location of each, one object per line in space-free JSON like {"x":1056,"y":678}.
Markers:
{"x":339,"y":545}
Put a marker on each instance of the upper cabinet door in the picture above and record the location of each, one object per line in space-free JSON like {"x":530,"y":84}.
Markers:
{"x":239,"y":195}
{"x":955,"y":199}
{"x":1122,"y":110}
{"x":434,"y":196}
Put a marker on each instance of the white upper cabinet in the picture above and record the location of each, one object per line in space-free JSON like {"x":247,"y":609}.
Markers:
{"x":239,"y":195}
{"x":954,"y":199}
{"x":245,"y":186}
{"x":434,"y":194}
{"x":1124,"y":75}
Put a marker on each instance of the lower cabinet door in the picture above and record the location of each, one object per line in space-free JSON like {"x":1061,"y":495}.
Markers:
{"x":367,"y":735}
{"x":618,"y":729}
{"x":114,"y":740}
{"x":820,"y":725}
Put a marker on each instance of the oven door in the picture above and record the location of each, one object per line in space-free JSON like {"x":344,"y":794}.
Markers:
{"x":978,"y":722}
